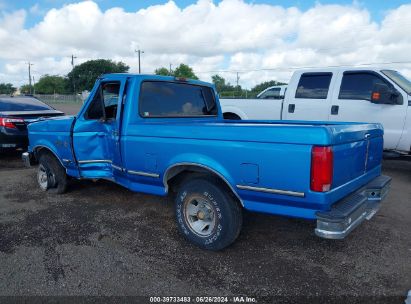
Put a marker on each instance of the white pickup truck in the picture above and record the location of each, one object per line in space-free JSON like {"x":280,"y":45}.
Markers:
{"x":339,"y":94}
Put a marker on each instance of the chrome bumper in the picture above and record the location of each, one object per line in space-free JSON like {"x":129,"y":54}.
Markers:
{"x":351,"y":211}
{"x":27,"y":158}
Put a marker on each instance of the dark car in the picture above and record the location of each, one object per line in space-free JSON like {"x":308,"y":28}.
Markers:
{"x":15,"y":114}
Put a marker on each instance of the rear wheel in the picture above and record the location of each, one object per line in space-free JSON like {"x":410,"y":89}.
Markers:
{"x":231,"y":116}
{"x":207,"y":214}
{"x":51,"y":175}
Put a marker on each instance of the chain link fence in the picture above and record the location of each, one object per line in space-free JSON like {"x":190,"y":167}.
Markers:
{"x":243,"y":94}
{"x":60,"y":99}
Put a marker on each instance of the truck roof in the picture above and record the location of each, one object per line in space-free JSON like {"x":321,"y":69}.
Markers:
{"x":156,"y":77}
{"x":342,"y":69}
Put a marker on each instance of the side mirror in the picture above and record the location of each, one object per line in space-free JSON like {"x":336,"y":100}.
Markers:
{"x":383,"y":94}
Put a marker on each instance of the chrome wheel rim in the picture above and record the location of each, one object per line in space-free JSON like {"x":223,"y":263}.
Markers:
{"x":200,"y":216}
{"x":42,"y":178}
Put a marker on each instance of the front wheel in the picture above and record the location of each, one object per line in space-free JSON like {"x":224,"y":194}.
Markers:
{"x":51,"y":175}
{"x":207,"y":214}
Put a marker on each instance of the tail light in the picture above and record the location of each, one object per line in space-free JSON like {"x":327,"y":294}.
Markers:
{"x":10,"y":122}
{"x":321,"y":169}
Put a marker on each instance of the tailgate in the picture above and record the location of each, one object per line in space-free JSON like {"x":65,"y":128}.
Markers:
{"x":355,"y":158}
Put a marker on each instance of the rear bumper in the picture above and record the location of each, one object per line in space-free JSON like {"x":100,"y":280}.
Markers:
{"x":13,"y":141}
{"x":28,"y":159}
{"x":352,"y":210}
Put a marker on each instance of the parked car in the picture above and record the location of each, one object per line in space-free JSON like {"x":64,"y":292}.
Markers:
{"x":167,"y":135}
{"x":339,"y":94}
{"x":15,"y":113}
{"x":274,"y":92}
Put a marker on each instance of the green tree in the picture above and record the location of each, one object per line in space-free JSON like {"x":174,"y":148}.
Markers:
{"x":163,"y":71}
{"x":219,"y":82}
{"x":7,"y":88}
{"x":84,"y":75}
{"x":185,"y":71}
{"x":26,"y":89}
{"x":221,"y":85}
{"x":50,"y":84}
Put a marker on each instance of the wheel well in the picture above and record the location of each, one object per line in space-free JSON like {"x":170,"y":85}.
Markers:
{"x":233,"y":116}
{"x":41,"y":150}
{"x":177,"y":174}
{"x":44,"y":150}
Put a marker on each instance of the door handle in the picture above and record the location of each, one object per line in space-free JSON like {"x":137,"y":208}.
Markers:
{"x":334,"y":110}
{"x":101,"y":134}
{"x":291,"y":108}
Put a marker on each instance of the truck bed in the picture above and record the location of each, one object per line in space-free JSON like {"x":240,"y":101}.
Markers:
{"x":261,"y":154}
{"x":268,"y":131}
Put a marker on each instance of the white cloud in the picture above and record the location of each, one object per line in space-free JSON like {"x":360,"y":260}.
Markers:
{"x":230,"y":35}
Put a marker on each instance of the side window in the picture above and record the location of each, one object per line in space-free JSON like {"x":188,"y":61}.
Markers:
{"x":358,"y":85}
{"x":111,"y":92}
{"x":95,"y":110}
{"x":104,"y":104}
{"x":169,"y":99}
{"x":273,"y":93}
{"x":313,"y":85}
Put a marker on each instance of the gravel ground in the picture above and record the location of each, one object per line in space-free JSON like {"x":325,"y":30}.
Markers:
{"x":101,"y":239}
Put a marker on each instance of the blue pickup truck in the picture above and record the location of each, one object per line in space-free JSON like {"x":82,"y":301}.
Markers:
{"x":165,"y":135}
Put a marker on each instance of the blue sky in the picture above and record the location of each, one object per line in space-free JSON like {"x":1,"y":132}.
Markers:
{"x":264,"y":43}
{"x":377,"y":8}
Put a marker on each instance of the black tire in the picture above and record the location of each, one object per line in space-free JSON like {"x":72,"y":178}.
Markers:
{"x":225,"y":212}
{"x":231,"y":116}
{"x":56,"y":181}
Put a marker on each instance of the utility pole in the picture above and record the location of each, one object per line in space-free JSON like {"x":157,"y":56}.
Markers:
{"x":139,"y":52}
{"x":72,"y":68}
{"x":171,"y":69}
{"x":237,"y":80}
{"x":30,"y":64}
{"x":72,"y":60}
{"x":34,"y":86}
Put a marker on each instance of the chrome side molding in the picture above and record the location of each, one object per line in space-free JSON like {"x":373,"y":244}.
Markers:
{"x":271,"y":190}
{"x":93,"y":161}
{"x":142,"y":173}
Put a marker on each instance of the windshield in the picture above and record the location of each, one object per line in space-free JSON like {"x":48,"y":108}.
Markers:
{"x":22,"y":104}
{"x":400,"y":80}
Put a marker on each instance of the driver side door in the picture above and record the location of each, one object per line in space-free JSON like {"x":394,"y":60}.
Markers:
{"x":95,"y":133}
{"x":352,"y":103}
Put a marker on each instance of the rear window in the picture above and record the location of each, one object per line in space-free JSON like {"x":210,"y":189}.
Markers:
{"x":169,"y":99}
{"x":313,"y":85}
{"x":15,"y":104}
